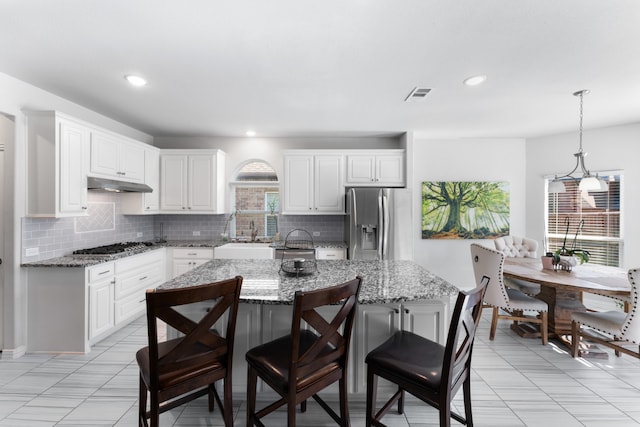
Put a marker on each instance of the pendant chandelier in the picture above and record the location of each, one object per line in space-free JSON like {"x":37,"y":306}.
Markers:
{"x":588,"y":182}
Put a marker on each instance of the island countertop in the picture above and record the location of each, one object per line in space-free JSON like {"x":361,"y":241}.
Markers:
{"x":264,"y":283}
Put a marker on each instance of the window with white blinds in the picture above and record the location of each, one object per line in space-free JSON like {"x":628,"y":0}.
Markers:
{"x":595,"y":216}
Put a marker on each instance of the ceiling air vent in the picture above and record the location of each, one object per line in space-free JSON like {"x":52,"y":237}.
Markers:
{"x":417,"y":94}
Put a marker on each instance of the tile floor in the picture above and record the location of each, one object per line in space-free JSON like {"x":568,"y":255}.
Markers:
{"x":516,"y":382}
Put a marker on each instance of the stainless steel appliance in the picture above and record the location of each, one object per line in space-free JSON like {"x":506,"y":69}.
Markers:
{"x":113,"y":249}
{"x":378,"y":223}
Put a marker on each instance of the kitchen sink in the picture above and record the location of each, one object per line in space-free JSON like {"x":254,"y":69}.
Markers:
{"x":251,"y":250}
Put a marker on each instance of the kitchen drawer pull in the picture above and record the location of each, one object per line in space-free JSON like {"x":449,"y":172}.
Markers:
{"x":103,"y":272}
{"x":192,"y":254}
{"x":143,"y":278}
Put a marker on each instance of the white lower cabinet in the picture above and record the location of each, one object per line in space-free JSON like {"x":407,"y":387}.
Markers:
{"x":134,"y":275}
{"x":186,"y":259}
{"x":377,"y":322}
{"x":331,"y":253}
{"x":72,"y":308}
{"x":261,"y":323}
{"x":101,"y":293}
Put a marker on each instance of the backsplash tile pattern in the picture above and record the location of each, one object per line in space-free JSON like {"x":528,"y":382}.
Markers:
{"x":330,"y":227}
{"x":105,"y":224}
{"x":55,"y":237}
{"x":101,"y":217}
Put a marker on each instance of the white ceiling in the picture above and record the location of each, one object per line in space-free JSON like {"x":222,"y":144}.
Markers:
{"x":303,"y":67}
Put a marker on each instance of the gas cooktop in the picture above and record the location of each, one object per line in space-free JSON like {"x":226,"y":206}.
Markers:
{"x":114,"y":248}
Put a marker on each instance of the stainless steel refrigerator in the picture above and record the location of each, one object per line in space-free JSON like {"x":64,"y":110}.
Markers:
{"x":378,"y":223}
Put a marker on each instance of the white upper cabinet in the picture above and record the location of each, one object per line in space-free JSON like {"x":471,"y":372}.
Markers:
{"x":57,"y":164}
{"x":145,"y":203}
{"x":115,"y":157}
{"x":376,"y":168}
{"x":192,"y":181}
{"x":313,"y":182}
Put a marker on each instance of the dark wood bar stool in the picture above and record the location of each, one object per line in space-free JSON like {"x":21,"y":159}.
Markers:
{"x":182,"y":369}
{"x":429,"y":371}
{"x":299,"y":365}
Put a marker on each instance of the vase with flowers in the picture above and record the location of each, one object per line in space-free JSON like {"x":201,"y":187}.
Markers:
{"x":565,"y":258}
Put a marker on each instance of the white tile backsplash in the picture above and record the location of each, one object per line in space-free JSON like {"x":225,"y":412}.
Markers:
{"x":55,"y":237}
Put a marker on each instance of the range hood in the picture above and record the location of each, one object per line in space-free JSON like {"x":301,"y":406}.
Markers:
{"x":103,"y":184}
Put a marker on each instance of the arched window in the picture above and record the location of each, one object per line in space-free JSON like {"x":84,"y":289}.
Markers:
{"x":255,"y":201}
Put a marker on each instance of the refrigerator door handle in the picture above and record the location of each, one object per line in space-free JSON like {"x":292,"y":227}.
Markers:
{"x":353,"y":213}
{"x":383,"y":241}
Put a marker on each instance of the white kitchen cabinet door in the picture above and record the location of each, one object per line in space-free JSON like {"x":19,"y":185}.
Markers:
{"x":298,"y":184}
{"x":247,"y":336}
{"x":329,"y":184}
{"x":427,"y":319}
{"x":73,"y":165}
{"x":390,"y":169}
{"x":313,"y":183}
{"x":132,"y":163}
{"x":117,"y":158}
{"x":101,"y":307}
{"x":201,"y":182}
{"x":186,"y":259}
{"x":152,"y":179}
{"x":375,"y":324}
{"x":192,"y":181}
{"x":105,"y":153}
{"x":145,"y":203}
{"x":384,"y":169}
{"x":173,"y":182}
{"x":361,"y":169}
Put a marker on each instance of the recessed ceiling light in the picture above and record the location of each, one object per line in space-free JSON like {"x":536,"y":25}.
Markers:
{"x":474,"y":80}
{"x":135,"y":80}
{"x":251,"y":133}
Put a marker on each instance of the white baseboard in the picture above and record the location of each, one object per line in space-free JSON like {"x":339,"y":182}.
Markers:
{"x":13,"y":353}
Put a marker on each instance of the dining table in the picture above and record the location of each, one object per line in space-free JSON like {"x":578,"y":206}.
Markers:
{"x":563,"y":290}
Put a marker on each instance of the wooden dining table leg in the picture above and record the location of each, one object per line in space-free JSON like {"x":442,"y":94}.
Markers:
{"x":561,"y":304}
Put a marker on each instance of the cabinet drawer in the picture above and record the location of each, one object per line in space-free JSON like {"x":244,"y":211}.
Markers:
{"x":138,"y":261}
{"x":100,"y":272}
{"x":148,"y":277}
{"x":129,"y":307}
{"x":331,"y":253}
{"x":193,"y":253}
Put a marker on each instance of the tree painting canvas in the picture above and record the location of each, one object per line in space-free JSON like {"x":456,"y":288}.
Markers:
{"x":465,"y":209}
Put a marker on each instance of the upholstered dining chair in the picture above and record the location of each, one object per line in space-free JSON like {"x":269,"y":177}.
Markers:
{"x":519,"y":247}
{"x":429,"y":371}
{"x":300,"y":365}
{"x":179,"y":370}
{"x":489,"y":262}
{"x":622,"y":329}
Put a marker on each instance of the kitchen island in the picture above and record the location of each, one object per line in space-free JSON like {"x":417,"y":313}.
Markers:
{"x":263,"y":282}
{"x":394,"y":295}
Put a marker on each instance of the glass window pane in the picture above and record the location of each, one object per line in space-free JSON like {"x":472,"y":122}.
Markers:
{"x":594,"y":216}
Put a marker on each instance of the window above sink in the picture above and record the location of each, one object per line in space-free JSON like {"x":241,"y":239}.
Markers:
{"x":256,"y":202}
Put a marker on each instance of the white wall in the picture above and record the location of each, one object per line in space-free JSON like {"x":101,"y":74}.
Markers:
{"x":16,"y":97}
{"x":465,"y":160}
{"x":610,"y":148}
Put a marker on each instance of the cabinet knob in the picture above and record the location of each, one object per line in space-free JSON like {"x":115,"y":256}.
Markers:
{"x":84,"y":207}
{"x":183,"y":207}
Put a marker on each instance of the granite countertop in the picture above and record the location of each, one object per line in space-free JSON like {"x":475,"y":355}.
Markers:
{"x":91,"y":260}
{"x":383,"y":281}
